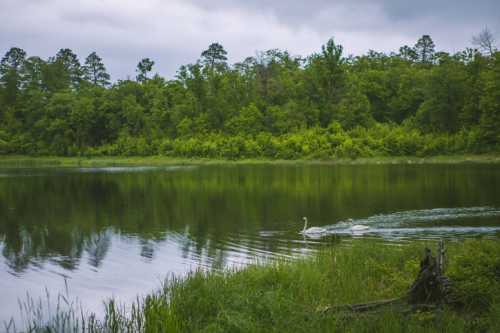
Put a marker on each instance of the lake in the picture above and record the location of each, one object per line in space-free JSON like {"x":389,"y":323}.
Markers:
{"x":96,"y":233}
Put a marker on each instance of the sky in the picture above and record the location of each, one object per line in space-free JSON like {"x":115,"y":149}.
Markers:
{"x":175,"y":32}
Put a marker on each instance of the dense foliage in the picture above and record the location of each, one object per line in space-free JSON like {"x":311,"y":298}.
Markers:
{"x":274,"y":105}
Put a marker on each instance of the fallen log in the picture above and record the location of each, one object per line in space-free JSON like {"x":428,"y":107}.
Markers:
{"x":361,"y":307}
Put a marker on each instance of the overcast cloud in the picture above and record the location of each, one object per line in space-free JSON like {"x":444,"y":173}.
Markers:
{"x":174,"y":32}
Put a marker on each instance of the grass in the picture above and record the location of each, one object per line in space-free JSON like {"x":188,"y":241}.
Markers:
{"x":288,"y":296}
{"x":31,"y":161}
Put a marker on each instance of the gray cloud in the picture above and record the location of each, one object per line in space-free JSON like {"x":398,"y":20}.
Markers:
{"x":175,"y":32}
{"x":306,"y":12}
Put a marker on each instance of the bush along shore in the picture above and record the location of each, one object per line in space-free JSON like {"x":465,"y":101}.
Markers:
{"x":315,"y":294}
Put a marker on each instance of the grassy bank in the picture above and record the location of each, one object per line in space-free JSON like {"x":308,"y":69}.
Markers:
{"x":289,"y":296}
{"x":28,"y":161}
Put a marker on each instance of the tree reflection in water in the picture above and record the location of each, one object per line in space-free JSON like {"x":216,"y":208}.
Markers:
{"x":212,"y":214}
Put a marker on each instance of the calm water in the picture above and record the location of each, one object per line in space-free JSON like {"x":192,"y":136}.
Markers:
{"x":119,"y":231}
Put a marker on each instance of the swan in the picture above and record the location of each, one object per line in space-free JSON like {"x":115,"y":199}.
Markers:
{"x":357,"y":227}
{"x":312,"y":230}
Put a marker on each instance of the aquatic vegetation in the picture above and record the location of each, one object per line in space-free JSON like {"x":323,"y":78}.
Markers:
{"x":289,"y":296}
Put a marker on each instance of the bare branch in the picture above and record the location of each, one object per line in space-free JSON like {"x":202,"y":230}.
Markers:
{"x":485,"y":41}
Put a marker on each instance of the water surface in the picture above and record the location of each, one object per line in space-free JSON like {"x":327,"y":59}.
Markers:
{"x":103,"y":232}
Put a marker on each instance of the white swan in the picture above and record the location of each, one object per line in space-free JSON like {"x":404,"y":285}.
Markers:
{"x":357,"y":227}
{"x":312,"y":230}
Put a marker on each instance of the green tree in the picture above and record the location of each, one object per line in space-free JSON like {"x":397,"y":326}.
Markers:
{"x":354,"y":108}
{"x":33,"y":73}
{"x":81,"y":120}
{"x":71,"y":69}
{"x":424,"y":49}
{"x":408,"y":53}
{"x":54,"y":126}
{"x":490,"y":104}
{"x":214,"y":55}
{"x":134,"y":116}
{"x":94,"y":70}
{"x":144,"y":67}
{"x":444,"y":98}
{"x":327,"y":79}
{"x":286,"y":118}
{"x":11,"y":67}
{"x":249,"y":121}
{"x":32,"y":100}
{"x":476,"y":65}
{"x":274,"y":104}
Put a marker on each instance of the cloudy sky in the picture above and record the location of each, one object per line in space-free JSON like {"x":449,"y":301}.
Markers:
{"x":174,"y":32}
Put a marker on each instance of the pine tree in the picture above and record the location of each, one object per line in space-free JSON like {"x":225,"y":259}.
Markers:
{"x":143,"y":68}
{"x":215,"y":54}
{"x":425,"y":49}
{"x":70,"y":65}
{"x":94,"y":70}
{"x":10,"y":73}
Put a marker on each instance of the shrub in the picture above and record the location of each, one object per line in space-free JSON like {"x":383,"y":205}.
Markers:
{"x":475,"y":273}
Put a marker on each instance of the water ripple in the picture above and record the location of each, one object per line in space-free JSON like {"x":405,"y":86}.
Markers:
{"x":423,"y":222}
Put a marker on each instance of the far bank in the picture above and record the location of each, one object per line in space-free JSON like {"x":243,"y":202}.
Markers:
{"x":56,"y":161}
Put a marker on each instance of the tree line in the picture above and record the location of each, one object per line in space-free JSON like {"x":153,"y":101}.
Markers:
{"x":416,"y":101}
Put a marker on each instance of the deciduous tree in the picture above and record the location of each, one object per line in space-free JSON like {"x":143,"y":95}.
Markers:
{"x":485,"y":41}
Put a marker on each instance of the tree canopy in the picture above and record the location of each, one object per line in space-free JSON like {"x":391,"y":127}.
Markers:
{"x":413,"y":101}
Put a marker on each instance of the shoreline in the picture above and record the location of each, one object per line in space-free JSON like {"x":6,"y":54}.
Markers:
{"x":55,"y":161}
{"x":290,"y":296}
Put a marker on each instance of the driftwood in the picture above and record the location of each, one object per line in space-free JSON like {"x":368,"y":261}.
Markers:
{"x":430,"y":289}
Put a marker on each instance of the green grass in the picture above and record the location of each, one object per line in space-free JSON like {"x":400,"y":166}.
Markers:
{"x":288,"y":296}
{"x":30,"y":161}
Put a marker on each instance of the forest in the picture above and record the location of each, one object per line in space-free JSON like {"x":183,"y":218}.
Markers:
{"x":414,"y":102}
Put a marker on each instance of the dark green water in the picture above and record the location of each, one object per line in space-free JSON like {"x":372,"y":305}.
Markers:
{"x":120,"y":231}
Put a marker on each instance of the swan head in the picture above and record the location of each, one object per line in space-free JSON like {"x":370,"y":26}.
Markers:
{"x":305,"y":222}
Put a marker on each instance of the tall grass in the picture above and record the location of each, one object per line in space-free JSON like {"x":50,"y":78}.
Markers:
{"x":289,"y":297}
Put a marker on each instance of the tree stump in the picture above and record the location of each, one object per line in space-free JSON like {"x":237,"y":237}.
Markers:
{"x":430,"y":286}
{"x":430,"y":289}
